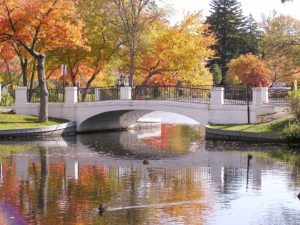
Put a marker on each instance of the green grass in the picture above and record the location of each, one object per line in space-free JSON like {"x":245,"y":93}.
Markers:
{"x":14,"y":121}
{"x":275,"y":126}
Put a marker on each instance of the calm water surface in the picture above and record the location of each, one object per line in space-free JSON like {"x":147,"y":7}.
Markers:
{"x":187,"y":180}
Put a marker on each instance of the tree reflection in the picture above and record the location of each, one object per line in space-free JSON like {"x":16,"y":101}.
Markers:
{"x":66,"y":185}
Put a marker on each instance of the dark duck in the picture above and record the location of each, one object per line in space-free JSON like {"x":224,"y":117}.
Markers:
{"x":102,"y":208}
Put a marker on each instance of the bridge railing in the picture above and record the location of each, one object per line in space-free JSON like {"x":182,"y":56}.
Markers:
{"x":98,"y":94}
{"x":279,"y":95}
{"x":237,"y":95}
{"x":196,"y":94}
{"x":55,"y":95}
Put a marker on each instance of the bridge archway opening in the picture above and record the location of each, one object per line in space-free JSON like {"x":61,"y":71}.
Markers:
{"x":171,"y":117}
{"x":124,"y":119}
{"x":113,"y":120}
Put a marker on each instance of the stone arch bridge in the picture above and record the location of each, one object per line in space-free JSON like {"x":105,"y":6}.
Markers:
{"x":125,"y":111}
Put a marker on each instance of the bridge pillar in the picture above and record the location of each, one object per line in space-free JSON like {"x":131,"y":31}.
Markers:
{"x":217,"y":96}
{"x":260,"y":95}
{"x":71,"y":95}
{"x":21,"y":96}
{"x":125,"y":93}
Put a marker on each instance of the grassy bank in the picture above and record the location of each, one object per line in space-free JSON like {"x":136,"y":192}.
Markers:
{"x":275,"y":126}
{"x":14,"y":121}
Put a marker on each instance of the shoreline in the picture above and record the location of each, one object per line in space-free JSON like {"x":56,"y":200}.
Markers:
{"x":254,"y":137}
{"x":63,"y":129}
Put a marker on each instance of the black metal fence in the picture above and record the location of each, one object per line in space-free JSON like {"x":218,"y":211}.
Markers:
{"x":237,"y":95}
{"x":197,"y":94}
{"x":279,"y":95}
{"x":98,"y":94}
{"x":55,"y":95}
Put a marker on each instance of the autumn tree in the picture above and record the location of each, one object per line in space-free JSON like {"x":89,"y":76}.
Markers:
{"x":248,"y":70}
{"x":87,"y":65}
{"x":132,"y":18}
{"x":180,"y":51}
{"x":280,"y":47}
{"x":9,"y":68}
{"x":39,"y":26}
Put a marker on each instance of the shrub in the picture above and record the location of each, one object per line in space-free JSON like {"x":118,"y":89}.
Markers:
{"x":217,"y":74}
{"x":292,"y":132}
{"x":6,"y":99}
{"x":294,"y":100}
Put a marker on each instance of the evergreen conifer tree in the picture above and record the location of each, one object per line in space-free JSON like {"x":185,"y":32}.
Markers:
{"x":217,"y":74}
{"x":251,"y":36}
{"x":235,"y":33}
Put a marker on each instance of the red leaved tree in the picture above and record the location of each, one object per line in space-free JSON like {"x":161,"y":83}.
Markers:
{"x":248,"y":70}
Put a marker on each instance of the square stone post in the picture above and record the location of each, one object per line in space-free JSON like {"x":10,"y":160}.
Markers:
{"x":71,"y":95}
{"x":125,"y":93}
{"x":217,"y":96}
{"x":97,"y":94}
{"x":21,"y":96}
{"x":260,"y":95}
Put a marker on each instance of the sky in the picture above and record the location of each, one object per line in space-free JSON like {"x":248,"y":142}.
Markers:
{"x":254,"y":7}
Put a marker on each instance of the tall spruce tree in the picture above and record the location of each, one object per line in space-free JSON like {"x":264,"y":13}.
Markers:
{"x":252,"y":35}
{"x":235,"y":36}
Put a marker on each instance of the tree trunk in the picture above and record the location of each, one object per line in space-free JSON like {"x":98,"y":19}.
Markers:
{"x":31,"y":82}
{"x":88,"y":84}
{"x":43,"y":115}
{"x":132,"y":63}
{"x":73,"y":78}
{"x":24,"y":64}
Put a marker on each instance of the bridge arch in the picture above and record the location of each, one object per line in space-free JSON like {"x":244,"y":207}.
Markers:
{"x":112,"y":120}
{"x":122,"y":114}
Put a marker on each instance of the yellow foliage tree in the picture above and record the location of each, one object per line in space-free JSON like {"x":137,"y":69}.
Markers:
{"x":179,"y":51}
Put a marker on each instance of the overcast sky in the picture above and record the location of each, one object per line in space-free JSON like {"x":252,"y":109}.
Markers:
{"x":254,"y":7}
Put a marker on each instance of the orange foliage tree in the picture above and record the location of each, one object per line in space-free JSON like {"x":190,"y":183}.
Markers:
{"x":39,"y":26}
{"x":9,"y":68}
{"x":86,"y":66}
{"x":248,"y":70}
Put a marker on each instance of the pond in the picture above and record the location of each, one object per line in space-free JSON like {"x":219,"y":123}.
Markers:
{"x":156,"y":176}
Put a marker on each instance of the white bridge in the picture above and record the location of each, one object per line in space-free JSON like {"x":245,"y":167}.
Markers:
{"x":124,"y":112}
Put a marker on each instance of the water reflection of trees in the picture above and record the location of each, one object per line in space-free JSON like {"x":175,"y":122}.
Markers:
{"x":59,"y":187}
{"x":46,"y":196}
